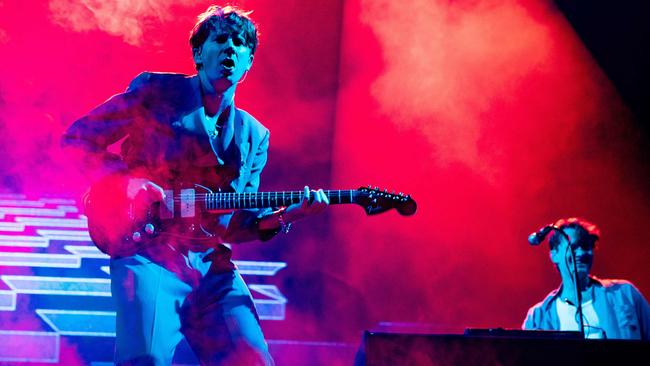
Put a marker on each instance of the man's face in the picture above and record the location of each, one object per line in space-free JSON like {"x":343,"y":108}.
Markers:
{"x":224,"y":56}
{"x":584,"y":249}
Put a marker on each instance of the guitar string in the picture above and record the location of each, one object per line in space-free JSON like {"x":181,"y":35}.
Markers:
{"x":180,"y":199}
{"x":264,"y":195}
{"x":270,"y":196}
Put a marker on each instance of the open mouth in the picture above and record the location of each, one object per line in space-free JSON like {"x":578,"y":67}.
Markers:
{"x":228,"y":63}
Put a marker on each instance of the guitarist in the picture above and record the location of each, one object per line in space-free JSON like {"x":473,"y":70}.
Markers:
{"x":173,"y":126}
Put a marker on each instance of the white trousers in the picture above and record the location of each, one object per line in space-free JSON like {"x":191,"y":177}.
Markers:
{"x":160,"y":301}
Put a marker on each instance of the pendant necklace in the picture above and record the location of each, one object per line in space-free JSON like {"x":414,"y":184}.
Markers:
{"x":212,"y":121}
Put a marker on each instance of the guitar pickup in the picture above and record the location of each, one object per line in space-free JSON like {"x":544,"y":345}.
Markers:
{"x":187,"y":205}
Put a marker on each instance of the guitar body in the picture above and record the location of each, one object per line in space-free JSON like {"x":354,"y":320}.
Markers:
{"x":119,"y":227}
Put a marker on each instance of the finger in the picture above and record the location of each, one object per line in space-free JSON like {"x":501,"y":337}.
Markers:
{"x":319,"y":202}
{"x":317,"y":198}
{"x":320,"y":206}
{"x":324,"y":198}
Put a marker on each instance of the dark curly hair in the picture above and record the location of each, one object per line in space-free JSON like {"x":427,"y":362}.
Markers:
{"x":586,"y":231}
{"x":232,"y":17}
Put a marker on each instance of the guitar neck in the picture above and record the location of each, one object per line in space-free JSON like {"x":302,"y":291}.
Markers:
{"x":220,"y":201}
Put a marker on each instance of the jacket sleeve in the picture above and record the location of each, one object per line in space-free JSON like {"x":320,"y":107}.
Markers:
{"x":259,"y":162}
{"x":244,"y":224}
{"x":529,"y":321}
{"x":643,"y":311}
{"x":88,"y":138}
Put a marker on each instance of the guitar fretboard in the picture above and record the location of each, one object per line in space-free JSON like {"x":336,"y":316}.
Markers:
{"x":220,"y":201}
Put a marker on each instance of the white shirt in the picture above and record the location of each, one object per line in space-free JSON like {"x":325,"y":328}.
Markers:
{"x":566,"y":312}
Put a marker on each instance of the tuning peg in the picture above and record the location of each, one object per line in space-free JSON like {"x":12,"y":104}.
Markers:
{"x":137,"y":237}
{"x":401,"y":194}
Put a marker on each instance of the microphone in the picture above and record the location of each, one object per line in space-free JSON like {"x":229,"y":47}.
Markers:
{"x":538,"y":237}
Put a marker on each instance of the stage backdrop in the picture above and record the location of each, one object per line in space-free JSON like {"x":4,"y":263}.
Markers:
{"x":491,"y":114}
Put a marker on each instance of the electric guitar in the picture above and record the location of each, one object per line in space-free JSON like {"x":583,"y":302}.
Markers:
{"x":118,"y":227}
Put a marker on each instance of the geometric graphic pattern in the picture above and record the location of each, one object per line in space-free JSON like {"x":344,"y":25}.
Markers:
{"x":54,"y":282}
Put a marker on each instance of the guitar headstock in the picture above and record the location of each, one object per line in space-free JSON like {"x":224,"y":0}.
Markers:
{"x":375,"y":201}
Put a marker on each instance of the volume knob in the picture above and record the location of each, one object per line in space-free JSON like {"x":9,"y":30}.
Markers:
{"x":149,"y":229}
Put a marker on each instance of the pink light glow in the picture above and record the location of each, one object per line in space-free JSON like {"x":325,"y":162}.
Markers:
{"x":490,"y":113}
